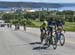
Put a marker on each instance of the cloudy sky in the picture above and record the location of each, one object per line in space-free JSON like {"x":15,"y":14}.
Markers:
{"x":49,"y":1}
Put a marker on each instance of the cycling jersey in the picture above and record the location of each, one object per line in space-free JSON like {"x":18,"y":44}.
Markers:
{"x":44,"y":25}
{"x":51,"y":23}
{"x":51,"y":26}
{"x":59,"y":23}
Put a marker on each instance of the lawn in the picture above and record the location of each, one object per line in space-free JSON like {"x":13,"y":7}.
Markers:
{"x":69,"y":26}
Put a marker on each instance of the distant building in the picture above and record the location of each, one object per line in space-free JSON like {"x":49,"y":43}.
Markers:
{"x":30,"y":10}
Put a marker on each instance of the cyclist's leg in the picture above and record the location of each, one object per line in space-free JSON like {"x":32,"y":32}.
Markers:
{"x":41,"y":35}
{"x":51,"y":34}
{"x":46,"y":40}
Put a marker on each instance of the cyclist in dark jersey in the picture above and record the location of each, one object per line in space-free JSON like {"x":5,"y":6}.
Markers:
{"x":51,"y":24}
{"x":51,"y":27}
{"x":60,"y":24}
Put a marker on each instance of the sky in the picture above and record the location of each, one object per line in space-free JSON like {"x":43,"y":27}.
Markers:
{"x":47,"y":1}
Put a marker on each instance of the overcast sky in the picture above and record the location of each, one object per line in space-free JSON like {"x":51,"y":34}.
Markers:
{"x":49,"y":1}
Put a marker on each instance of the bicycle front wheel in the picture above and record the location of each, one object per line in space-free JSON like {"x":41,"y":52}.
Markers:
{"x":54,"y":41}
{"x":62,"y":39}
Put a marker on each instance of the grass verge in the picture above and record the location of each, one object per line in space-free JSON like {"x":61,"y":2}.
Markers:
{"x":69,"y":26}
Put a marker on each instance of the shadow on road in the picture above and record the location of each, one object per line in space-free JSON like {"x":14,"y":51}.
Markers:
{"x":39,"y":47}
{"x":35,"y":43}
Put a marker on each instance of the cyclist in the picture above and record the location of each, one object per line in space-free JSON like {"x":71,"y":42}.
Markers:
{"x":17,"y":26}
{"x":43,"y":27}
{"x":60,"y":24}
{"x":25,"y":26}
{"x":10,"y":25}
{"x":51,"y":27}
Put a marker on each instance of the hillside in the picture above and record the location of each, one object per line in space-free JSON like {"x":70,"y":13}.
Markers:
{"x":29,"y":5}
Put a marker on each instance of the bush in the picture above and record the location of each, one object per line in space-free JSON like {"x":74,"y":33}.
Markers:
{"x":30,"y":23}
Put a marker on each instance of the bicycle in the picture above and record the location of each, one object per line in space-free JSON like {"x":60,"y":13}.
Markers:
{"x":60,"y":37}
{"x":43,"y":35}
{"x":51,"y":38}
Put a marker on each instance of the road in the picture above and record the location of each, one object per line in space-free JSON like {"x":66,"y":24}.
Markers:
{"x":27,"y":43}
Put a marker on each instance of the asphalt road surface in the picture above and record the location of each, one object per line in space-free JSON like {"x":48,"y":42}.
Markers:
{"x":28,"y":43}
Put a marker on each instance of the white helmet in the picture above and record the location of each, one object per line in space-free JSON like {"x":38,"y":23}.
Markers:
{"x":45,"y":22}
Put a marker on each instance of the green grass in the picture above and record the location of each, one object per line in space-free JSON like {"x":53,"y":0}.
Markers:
{"x":69,"y":26}
{"x":37,"y":23}
{"x":34,"y":23}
